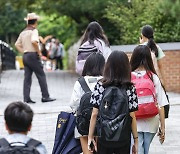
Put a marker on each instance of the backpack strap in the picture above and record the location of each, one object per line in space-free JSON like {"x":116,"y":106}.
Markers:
{"x":4,"y":143}
{"x":133,"y":76}
{"x":83,"y":84}
{"x":33,"y":143}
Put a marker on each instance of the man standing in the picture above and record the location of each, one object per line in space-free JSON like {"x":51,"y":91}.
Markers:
{"x":28,"y":44}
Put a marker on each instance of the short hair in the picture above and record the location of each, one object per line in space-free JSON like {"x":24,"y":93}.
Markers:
{"x":18,"y":116}
{"x":94,"y":65}
{"x":32,"y":22}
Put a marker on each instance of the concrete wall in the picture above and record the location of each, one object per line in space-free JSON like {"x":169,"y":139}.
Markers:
{"x":72,"y":53}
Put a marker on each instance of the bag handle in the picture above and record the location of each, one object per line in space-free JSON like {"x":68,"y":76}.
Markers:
{"x":84,"y":85}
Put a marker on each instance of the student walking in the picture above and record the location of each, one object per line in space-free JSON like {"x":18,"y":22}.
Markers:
{"x":28,"y":44}
{"x":114,"y":101}
{"x":147,"y":38}
{"x":93,"y":39}
{"x":92,"y":72}
{"x":59,"y":55}
{"x":150,"y":96}
{"x":18,"y":122}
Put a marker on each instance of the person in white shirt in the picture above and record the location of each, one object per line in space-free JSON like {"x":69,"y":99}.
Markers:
{"x":92,"y":72}
{"x":141,"y":63}
{"x":18,"y":118}
{"x":59,"y":55}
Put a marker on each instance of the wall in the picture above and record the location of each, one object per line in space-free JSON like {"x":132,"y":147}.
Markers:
{"x":171,"y":62}
{"x":171,"y":70}
{"x":72,"y":53}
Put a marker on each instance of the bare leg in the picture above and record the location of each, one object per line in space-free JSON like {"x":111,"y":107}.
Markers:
{"x":84,"y":145}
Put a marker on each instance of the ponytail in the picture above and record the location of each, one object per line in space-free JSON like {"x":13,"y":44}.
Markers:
{"x":152,"y":45}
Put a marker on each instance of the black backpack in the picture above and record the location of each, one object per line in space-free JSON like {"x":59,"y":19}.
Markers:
{"x":115,"y":120}
{"x":29,"y":148}
{"x":85,"y":109}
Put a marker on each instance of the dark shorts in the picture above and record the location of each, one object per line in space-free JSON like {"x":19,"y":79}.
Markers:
{"x":109,"y":150}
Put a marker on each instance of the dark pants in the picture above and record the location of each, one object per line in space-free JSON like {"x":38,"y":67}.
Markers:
{"x":59,"y":62}
{"x":32,"y":64}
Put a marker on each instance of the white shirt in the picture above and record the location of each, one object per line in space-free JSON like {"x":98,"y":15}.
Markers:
{"x":151,"y":124}
{"x":78,"y":91}
{"x":17,"y":137}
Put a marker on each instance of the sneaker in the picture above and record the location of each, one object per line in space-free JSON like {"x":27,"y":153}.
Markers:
{"x":48,"y":99}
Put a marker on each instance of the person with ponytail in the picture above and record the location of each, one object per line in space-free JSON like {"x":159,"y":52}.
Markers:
{"x":147,"y":38}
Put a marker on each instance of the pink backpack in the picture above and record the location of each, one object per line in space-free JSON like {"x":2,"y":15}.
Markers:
{"x":147,"y":101}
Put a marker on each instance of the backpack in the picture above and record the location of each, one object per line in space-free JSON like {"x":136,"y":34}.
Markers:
{"x":147,"y":103}
{"x":83,"y":53}
{"x":84,"y":110}
{"x":115,"y":120}
{"x":29,"y":148}
{"x":166,"y":107}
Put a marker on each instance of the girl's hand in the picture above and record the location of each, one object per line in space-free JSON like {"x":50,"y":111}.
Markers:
{"x":92,"y":145}
{"x":135,"y":149}
{"x":161,"y":135}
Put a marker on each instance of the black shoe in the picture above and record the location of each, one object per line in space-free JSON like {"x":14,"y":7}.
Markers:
{"x":30,"y":102}
{"x":48,"y":99}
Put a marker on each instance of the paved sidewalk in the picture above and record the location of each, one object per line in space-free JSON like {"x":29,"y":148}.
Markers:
{"x":60,"y":85}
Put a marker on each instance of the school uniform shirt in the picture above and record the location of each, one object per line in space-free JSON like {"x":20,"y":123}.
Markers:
{"x":160,"y":52}
{"x":77,"y":94}
{"x":78,"y":91}
{"x":17,"y":137}
{"x":97,"y":96}
{"x":25,"y":39}
{"x":155,"y":59}
{"x":151,"y":124}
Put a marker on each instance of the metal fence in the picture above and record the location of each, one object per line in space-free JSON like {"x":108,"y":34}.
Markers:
{"x":7,"y":57}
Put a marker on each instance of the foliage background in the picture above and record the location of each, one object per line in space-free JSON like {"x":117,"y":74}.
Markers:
{"x":67,"y":19}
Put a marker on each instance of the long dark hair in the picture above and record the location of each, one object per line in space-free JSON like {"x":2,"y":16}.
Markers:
{"x":117,"y":70}
{"x":148,"y":32}
{"x":141,"y":57}
{"x":94,"y":65}
{"x":93,"y":32}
